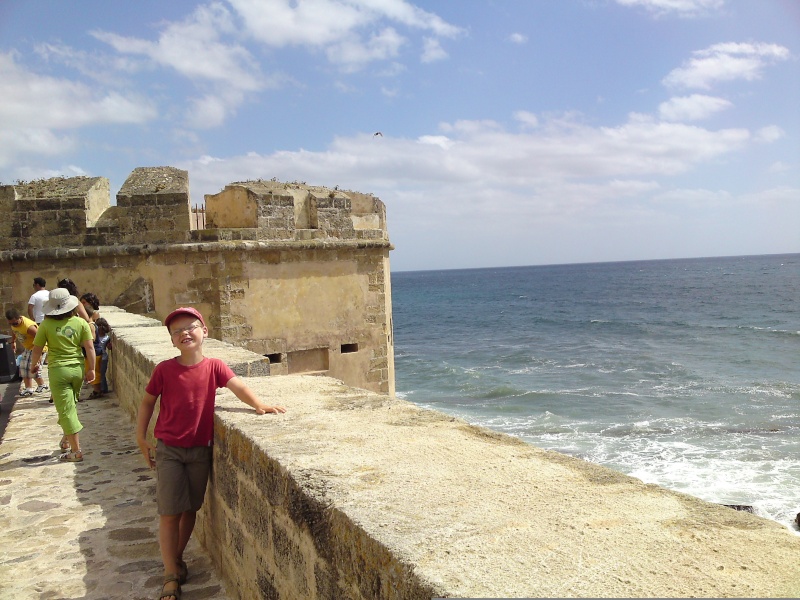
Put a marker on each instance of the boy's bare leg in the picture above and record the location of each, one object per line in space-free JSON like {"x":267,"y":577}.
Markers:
{"x":168,"y":535}
{"x":188,"y":520}
{"x":174,"y":532}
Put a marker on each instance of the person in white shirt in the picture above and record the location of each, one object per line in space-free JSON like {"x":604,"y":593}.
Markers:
{"x":37,"y":300}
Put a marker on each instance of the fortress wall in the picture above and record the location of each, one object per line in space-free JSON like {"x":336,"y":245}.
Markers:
{"x":356,"y":495}
{"x":276,"y":302}
{"x":281,"y":268}
{"x":333,"y":303}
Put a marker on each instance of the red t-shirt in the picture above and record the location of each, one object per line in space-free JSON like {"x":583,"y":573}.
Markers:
{"x":186,"y":416}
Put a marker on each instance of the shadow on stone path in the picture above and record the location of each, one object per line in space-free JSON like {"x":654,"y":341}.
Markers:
{"x":83,"y":530}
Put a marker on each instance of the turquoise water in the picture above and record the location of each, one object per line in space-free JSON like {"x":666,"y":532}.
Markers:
{"x":684,"y":373}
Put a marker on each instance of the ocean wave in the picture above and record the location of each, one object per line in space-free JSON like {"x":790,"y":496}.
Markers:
{"x":501,"y":391}
{"x":769,"y":330}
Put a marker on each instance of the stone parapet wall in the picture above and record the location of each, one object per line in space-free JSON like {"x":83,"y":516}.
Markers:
{"x":271,"y":532}
{"x":360,"y":496}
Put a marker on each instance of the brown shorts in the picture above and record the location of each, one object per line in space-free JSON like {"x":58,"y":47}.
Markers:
{"x":182,"y":477}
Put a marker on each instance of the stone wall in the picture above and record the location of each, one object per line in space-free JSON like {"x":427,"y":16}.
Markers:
{"x":296,"y":273}
{"x":353,"y":495}
{"x":270,"y":531}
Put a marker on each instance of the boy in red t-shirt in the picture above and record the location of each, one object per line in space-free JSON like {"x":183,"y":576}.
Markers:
{"x":184,"y":429}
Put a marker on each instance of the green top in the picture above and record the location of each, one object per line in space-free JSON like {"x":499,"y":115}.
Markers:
{"x":64,"y":339}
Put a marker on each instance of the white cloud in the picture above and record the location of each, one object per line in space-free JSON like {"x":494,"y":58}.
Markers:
{"x":105,"y":68}
{"x":392,"y":69}
{"x":517,"y":38}
{"x":36,"y":101}
{"x":552,"y":164}
{"x":776,"y":196}
{"x":769,"y":134}
{"x":692,"y":108}
{"x":725,"y":62}
{"x":562,"y":180}
{"x":194,"y":49}
{"x":352,"y":54}
{"x":206,"y":112}
{"x":315,"y":23}
{"x":35,"y":107}
{"x":340,"y":27}
{"x":321,"y":22}
{"x":780,"y":167}
{"x":343,"y":87}
{"x":682,"y":8}
{"x":694,"y":197}
{"x":528,"y":119}
{"x":432,"y":51}
{"x":436,"y":140}
{"x":411,"y":16}
{"x":28,"y":140}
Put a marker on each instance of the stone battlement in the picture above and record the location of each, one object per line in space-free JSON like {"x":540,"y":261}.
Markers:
{"x":153,"y":207}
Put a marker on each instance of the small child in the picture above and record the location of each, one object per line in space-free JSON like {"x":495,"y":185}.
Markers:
{"x":184,"y":429}
{"x":26,"y":329}
{"x":101,"y":339}
{"x":65,"y":334}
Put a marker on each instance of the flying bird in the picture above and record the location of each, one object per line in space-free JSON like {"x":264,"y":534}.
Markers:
{"x":377,"y":133}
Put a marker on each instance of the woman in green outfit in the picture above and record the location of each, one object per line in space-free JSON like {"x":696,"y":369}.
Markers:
{"x":65,"y":334}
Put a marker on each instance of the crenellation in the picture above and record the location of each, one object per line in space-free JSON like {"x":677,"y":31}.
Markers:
{"x":151,"y":180}
{"x":56,"y":187}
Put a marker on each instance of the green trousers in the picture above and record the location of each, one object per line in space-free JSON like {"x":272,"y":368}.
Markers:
{"x":65,"y":385}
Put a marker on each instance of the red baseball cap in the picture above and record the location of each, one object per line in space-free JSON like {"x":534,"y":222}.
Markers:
{"x":192,"y":312}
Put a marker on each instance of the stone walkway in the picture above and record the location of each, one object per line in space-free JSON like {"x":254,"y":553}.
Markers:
{"x":83,"y":530}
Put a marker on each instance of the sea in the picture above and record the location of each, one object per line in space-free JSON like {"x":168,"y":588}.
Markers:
{"x":682,"y":373}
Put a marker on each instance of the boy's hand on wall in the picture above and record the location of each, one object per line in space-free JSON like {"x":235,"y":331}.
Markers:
{"x":246,"y":395}
{"x":265,"y":408}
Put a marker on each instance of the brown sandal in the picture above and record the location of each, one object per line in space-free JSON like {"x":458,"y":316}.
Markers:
{"x":175,"y":593}
{"x":71,"y":457}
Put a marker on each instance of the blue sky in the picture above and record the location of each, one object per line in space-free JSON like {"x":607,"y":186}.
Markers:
{"x":514,"y":132}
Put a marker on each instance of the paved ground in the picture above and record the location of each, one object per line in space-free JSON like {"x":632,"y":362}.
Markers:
{"x":84,"y":530}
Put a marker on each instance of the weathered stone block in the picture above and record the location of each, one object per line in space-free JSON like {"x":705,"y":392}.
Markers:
{"x":266,"y":586}
{"x":254,"y":514}
{"x":226,"y":484}
{"x":288,"y":556}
